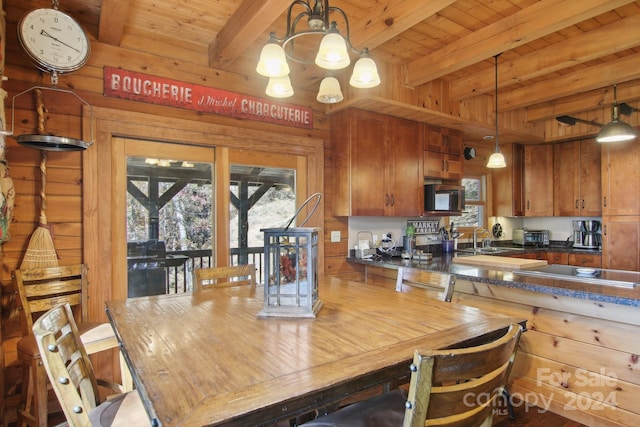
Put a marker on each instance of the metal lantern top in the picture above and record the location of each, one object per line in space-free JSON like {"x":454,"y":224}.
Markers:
{"x":291,"y":272}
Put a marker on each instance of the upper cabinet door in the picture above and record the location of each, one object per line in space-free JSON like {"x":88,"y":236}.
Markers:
{"x":577,"y":181}
{"x":507,"y":190}
{"x":378,"y":170}
{"x":442,"y":153}
{"x":538,"y":180}
{"x":621,"y":178}
{"x":404,"y":181}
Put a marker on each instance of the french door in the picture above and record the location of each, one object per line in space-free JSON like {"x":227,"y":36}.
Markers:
{"x":168,"y":210}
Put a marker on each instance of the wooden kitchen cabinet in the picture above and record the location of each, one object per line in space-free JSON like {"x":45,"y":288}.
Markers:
{"x":531,"y":255}
{"x":621,"y":178}
{"x":442,"y":153}
{"x":577,"y":179}
{"x":538,"y":180}
{"x":507,"y":189}
{"x":585,"y":260}
{"x":621,"y":242}
{"x":377,"y":165}
{"x":558,"y":258}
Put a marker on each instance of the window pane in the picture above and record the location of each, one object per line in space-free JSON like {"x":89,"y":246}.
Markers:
{"x":471,"y":217}
{"x":472,"y":189}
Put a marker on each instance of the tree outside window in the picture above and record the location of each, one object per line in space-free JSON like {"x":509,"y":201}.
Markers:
{"x":474,"y":214}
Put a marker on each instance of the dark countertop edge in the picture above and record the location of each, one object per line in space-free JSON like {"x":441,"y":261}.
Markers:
{"x":559,"y":287}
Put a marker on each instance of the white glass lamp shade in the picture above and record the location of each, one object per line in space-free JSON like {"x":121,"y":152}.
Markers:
{"x":496,"y":160}
{"x":279,"y":87}
{"x":273,"y":62}
{"x":332,"y":53}
{"x":330,"y":91}
{"x":365,"y":74}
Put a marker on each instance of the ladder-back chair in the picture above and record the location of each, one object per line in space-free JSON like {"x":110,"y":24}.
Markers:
{"x":71,"y":374}
{"x":41,"y":289}
{"x":433,"y":282}
{"x":457,"y":387}
{"x":235,"y":275}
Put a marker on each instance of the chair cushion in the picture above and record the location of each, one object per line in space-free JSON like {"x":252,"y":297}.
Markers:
{"x":123,"y":410}
{"x":386,"y":410}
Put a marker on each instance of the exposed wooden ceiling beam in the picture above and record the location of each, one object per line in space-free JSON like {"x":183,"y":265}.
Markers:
{"x":113,"y":15}
{"x":390,"y":18}
{"x":575,"y":104}
{"x":617,"y":71}
{"x":250,"y":20}
{"x":612,"y":38}
{"x":538,"y":20}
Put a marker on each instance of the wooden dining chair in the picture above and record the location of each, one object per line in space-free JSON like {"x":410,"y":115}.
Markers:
{"x":457,"y":386}
{"x":74,"y":382}
{"x":433,"y":282}
{"x":40,"y":290}
{"x":235,"y":275}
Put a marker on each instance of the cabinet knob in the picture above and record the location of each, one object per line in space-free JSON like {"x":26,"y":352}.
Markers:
{"x":577,"y":203}
{"x":393,"y":200}
{"x":604,"y":201}
{"x":386,"y":199}
{"x":582,"y":203}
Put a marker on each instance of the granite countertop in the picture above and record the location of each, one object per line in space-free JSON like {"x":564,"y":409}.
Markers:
{"x":505,"y":277}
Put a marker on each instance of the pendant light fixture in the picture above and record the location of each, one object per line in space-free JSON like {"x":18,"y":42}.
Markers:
{"x":616,"y":130}
{"x":333,"y":52}
{"x":496,"y":160}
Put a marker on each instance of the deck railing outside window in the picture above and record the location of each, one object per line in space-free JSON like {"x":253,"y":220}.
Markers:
{"x":179,"y":277}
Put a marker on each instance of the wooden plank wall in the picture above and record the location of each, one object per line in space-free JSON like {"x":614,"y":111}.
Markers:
{"x":64,"y":184}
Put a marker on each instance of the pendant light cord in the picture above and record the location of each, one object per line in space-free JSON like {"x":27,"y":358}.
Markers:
{"x":496,"y":61}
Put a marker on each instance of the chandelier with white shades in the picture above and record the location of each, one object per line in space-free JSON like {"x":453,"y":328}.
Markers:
{"x":332,"y":53}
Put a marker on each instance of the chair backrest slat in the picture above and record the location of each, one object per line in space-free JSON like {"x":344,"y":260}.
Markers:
{"x":41,"y":289}
{"x":460,"y":386}
{"x":67,"y":364}
{"x":236,"y":275}
{"x":432,"y":282}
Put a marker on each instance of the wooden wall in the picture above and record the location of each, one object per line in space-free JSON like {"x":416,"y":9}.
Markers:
{"x":65,"y":170}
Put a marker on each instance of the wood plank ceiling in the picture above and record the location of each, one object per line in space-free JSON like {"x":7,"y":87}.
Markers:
{"x":557,"y":57}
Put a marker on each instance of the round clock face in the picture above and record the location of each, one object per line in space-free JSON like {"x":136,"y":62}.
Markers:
{"x":53,"y":40}
{"x":469,"y":153}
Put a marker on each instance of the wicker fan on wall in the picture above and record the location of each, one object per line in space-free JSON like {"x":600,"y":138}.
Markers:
{"x":41,"y":251}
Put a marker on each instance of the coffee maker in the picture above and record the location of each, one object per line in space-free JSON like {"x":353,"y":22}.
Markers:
{"x":586,"y":234}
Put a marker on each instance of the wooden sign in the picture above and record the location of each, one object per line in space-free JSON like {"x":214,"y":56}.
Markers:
{"x":141,"y":87}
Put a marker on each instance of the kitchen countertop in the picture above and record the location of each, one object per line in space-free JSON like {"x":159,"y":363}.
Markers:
{"x":504,"y":277}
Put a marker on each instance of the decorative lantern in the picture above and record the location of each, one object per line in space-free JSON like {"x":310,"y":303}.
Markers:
{"x":291,"y":272}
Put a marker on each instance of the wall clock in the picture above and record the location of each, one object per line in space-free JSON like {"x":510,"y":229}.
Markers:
{"x":469,"y":153}
{"x":53,"y":40}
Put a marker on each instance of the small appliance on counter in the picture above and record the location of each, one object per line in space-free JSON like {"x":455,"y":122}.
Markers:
{"x":522,"y":236}
{"x":586,"y":234}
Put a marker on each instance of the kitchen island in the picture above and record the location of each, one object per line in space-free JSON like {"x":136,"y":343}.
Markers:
{"x":580,"y":355}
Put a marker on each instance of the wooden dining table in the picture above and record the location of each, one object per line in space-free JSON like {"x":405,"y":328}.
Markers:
{"x":206,"y":359}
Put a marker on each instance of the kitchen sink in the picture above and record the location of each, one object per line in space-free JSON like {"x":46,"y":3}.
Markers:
{"x":489,"y":250}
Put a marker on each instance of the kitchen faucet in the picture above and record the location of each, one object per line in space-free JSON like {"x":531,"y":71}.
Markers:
{"x":475,"y":236}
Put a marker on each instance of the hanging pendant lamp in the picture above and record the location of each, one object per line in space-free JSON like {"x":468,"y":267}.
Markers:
{"x":616,"y":130}
{"x":496,"y":160}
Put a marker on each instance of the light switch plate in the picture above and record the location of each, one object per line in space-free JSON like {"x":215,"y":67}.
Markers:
{"x":335,"y":236}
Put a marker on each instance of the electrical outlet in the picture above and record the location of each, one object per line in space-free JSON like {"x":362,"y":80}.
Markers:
{"x":335,"y":236}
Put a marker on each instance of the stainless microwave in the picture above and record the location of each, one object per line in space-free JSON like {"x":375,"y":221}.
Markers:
{"x":443,"y":199}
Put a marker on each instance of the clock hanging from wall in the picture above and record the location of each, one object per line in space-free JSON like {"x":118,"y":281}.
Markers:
{"x":53,"y":40}
{"x":56,"y":44}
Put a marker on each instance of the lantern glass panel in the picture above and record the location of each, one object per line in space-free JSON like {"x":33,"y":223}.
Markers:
{"x":291,"y":272}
